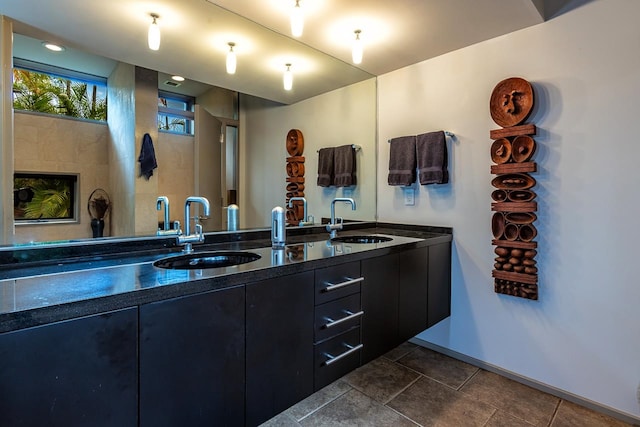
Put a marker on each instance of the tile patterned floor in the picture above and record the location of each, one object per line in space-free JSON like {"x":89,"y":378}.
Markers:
{"x":415,"y":386}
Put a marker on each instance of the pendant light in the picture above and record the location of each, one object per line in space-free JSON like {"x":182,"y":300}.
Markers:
{"x":297,"y":20}
{"x":356,"y":50}
{"x":287,"y":78}
{"x":231,"y":59}
{"x":154,"y":34}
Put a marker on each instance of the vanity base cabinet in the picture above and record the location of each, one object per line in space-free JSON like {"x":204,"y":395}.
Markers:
{"x":380,"y":306}
{"x":338,"y":315}
{"x":439,"y":298}
{"x":80,"y":372}
{"x":192,"y":360}
{"x":413,"y":293}
{"x":328,"y":367}
{"x":279,"y":360}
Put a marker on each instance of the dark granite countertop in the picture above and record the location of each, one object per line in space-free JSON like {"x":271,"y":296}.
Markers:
{"x":35,"y":290}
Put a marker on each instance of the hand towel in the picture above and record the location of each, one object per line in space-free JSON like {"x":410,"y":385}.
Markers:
{"x":402,"y":161}
{"x":147,"y":157}
{"x":325,"y":167}
{"x":432,"y":158}
{"x":344,"y":166}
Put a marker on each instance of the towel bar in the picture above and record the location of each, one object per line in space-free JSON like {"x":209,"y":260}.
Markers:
{"x":446,"y":133}
{"x":355,"y":147}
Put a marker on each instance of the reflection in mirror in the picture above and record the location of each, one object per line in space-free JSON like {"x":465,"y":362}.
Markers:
{"x":58,"y":143}
{"x":245,"y":142}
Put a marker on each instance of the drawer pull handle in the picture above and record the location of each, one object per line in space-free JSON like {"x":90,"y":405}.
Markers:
{"x":331,"y":323}
{"x":333,"y":359}
{"x":334,"y":286}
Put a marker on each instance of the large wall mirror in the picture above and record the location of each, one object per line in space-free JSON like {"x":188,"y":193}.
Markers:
{"x":235,"y":153}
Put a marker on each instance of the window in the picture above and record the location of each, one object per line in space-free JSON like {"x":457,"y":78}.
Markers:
{"x":175,"y":113}
{"x":50,"y":90}
{"x":45,"y":197}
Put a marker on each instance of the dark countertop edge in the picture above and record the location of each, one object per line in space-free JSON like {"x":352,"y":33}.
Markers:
{"x":76,"y":309}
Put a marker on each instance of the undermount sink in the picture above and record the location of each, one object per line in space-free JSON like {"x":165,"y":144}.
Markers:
{"x":198,"y":260}
{"x":361,"y":239}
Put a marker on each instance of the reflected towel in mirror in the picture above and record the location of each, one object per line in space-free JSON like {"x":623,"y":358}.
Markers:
{"x":147,"y":157}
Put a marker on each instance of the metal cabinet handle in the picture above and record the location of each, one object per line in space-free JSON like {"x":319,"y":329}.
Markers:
{"x":333,"y":359}
{"x":334,"y":286}
{"x":331,"y":323}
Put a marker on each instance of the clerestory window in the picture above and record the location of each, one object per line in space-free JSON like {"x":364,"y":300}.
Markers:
{"x":175,"y":113}
{"x":46,"y":89}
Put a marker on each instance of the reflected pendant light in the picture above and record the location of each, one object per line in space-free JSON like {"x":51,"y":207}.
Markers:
{"x":297,"y":20}
{"x":154,"y":34}
{"x":356,"y":50}
{"x":287,"y":78}
{"x":231,"y":59}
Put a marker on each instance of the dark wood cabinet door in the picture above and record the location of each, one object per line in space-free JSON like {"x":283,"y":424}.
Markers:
{"x":439,"y":304}
{"x":80,"y":372}
{"x":279,"y":345}
{"x":413,"y":292}
{"x":192,"y":360}
{"x":380,"y":305}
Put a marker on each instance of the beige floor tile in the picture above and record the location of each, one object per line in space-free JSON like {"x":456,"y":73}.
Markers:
{"x":381,"y":379}
{"x":502,"y":419}
{"x":430,"y":403}
{"x":281,"y":420}
{"x":517,"y":399}
{"x":400,"y":351}
{"x":439,"y":367}
{"x":572,"y":415}
{"x":355,"y":409}
{"x":318,"y":399}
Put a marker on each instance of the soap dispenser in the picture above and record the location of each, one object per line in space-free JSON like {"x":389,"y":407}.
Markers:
{"x":278,"y":233}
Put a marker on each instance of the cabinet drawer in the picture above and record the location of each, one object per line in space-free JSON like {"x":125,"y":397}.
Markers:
{"x":337,"y":316}
{"x":336,"y":357}
{"x":337,"y":281}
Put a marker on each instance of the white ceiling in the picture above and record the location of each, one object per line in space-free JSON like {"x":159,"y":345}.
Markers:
{"x":195,"y":34}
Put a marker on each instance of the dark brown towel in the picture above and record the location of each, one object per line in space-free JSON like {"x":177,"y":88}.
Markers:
{"x":325,"y":167}
{"x":344,"y":166}
{"x":431,"y":151}
{"x":402,"y":161}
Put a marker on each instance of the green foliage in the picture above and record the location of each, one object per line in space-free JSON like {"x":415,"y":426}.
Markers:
{"x":56,"y":95}
{"x":171,"y":124}
{"x":51,"y":198}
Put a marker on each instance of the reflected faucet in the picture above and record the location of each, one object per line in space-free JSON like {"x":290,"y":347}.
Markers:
{"x":334,"y":225}
{"x":306,"y":220}
{"x":167,"y":222}
{"x":198,"y":237}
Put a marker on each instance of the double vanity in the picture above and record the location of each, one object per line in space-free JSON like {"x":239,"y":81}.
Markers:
{"x":138,"y":333}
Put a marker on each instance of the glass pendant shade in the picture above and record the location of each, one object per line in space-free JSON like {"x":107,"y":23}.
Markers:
{"x":231,"y":60}
{"x":356,"y":50}
{"x":287,"y":78}
{"x":297,"y":20}
{"x":154,"y":34}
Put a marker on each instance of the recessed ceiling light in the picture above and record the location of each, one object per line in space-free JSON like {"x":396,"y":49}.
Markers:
{"x":178,"y":78}
{"x":54,"y":47}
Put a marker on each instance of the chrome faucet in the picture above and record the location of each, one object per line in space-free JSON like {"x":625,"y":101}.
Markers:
{"x":306,"y":220}
{"x":334,"y":225}
{"x":167,"y":222}
{"x":187,"y":238}
{"x":165,"y":200}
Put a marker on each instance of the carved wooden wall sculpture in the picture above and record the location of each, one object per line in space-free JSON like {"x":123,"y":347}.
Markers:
{"x":295,"y":176}
{"x":514,"y":206}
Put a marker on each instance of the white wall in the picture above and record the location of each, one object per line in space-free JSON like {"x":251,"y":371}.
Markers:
{"x":583,"y":335}
{"x":343,"y":116}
